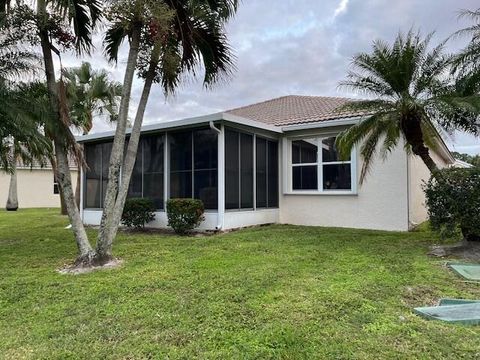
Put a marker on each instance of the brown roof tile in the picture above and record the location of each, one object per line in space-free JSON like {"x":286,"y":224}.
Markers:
{"x":294,"y":109}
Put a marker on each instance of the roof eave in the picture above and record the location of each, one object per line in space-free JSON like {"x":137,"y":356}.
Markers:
{"x":322,"y":124}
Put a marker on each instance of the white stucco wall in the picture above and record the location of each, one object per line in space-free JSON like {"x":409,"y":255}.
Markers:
{"x":380,"y":203}
{"x":35,"y":188}
{"x":418,"y":175}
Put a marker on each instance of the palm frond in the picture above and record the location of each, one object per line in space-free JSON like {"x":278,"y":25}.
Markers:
{"x":83,"y":16}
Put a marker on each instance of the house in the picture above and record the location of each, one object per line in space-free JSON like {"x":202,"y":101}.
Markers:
{"x":271,"y":162}
{"x":36,"y":186}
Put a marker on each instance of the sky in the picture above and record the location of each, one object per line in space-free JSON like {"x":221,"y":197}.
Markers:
{"x":296,"y":47}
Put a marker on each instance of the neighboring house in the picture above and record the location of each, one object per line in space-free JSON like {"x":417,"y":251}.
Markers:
{"x":271,"y":162}
{"x":36,"y":186}
{"x":462,"y":164}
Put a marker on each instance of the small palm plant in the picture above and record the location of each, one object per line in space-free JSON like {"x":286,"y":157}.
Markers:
{"x":412,"y":96}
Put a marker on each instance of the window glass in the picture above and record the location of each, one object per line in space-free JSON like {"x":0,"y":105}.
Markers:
{"x":261,"y":172}
{"x":180,"y":151}
{"x":305,"y":177}
{"x":97,"y":157}
{"x":56,"y":189}
{"x":135,"y":188}
{"x":232,"y":170}
{"x":272,"y":174}
{"x":337,"y":176}
{"x":304,"y":151}
{"x":181,"y":164}
{"x":329,"y":151}
{"x":181,"y":184}
{"x":93,"y":175}
{"x":153,"y":148}
{"x":205,"y":145}
{"x":205,"y":167}
{"x":106,"y":152}
{"x":206,"y":187}
{"x":246,"y":170}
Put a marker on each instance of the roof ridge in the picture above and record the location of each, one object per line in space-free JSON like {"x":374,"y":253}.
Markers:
{"x":258,"y":103}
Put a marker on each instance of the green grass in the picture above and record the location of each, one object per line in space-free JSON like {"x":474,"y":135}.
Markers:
{"x":283,"y":292}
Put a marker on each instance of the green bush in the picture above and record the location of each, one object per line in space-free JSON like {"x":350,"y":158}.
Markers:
{"x":137,"y":212}
{"x":184,"y":215}
{"x":453,"y":202}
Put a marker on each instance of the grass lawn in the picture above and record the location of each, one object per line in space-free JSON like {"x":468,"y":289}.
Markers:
{"x":283,"y":292}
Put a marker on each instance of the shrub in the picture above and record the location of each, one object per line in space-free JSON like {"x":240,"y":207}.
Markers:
{"x":137,"y":212}
{"x":184,"y":215}
{"x":453,"y":202}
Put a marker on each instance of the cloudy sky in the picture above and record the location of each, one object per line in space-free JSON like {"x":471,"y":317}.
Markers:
{"x":299,"y":47}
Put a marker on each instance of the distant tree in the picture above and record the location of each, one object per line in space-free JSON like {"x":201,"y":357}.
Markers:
{"x":90,"y":93}
{"x":471,"y":159}
{"x":21,"y":119}
{"x":412,"y":95}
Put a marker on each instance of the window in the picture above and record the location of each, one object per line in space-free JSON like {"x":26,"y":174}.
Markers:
{"x":232,"y":170}
{"x":153,"y":169}
{"x":97,"y":157}
{"x":147,"y":175}
{"x":205,"y":165}
{"x":56,"y":189}
{"x":316,"y":170}
{"x":305,"y":163}
{"x":266,"y":173}
{"x":193,"y":166}
{"x":238,"y":170}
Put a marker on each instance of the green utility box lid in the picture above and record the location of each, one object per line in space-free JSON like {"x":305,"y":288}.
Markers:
{"x":456,"y":311}
{"x":468,"y":271}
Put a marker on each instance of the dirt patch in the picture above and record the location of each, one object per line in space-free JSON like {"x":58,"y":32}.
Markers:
{"x":469,"y":251}
{"x":77,"y":270}
{"x":420,"y":295}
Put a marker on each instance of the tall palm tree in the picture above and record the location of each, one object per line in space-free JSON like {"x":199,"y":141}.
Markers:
{"x":70,"y":23}
{"x":175,"y":39}
{"x":89,"y":93}
{"x":412,"y":97}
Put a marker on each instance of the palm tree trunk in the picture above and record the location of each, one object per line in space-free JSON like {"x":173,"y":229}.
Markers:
{"x":412,"y":129}
{"x":12,"y":201}
{"x":131,"y":154}
{"x":108,"y":227}
{"x":63,"y":206}
{"x":85,"y":251}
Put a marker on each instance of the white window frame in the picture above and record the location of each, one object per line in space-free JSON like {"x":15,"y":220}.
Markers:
{"x":288,"y":190}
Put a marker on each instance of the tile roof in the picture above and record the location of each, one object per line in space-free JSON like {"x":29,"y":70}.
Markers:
{"x":294,"y":109}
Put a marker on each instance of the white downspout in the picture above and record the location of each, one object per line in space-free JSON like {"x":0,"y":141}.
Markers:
{"x":220,"y":174}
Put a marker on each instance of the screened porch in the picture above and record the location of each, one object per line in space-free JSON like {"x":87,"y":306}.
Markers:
{"x":233,"y":171}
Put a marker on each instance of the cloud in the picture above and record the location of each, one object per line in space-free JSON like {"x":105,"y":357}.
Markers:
{"x":341,"y":8}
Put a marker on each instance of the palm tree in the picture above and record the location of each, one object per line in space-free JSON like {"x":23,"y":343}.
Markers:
{"x":468,"y":59}
{"x":21,"y":134}
{"x":412,"y":95}
{"x":90,"y":93}
{"x":54,"y":21}
{"x":175,"y":39}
